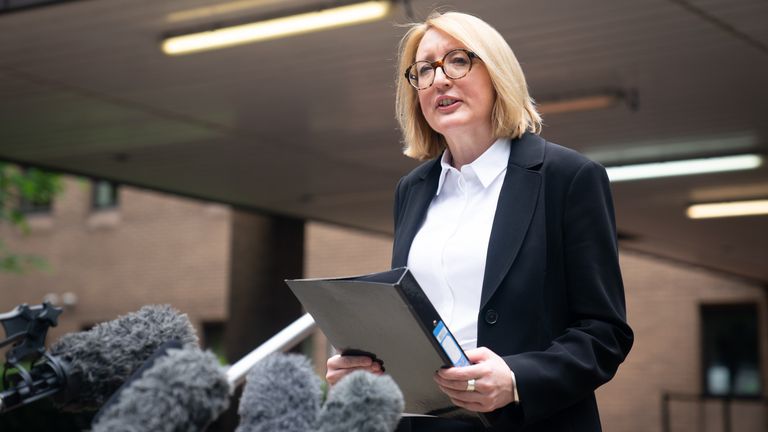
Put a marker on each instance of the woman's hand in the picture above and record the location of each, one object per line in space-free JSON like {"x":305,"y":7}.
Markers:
{"x":339,"y":366}
{"x":493,"y":382}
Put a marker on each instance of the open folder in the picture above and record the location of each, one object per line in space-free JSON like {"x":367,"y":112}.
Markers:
{"x":388,"y":317}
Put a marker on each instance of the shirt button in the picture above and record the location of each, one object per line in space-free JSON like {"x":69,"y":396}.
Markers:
{"x":491,"y":316}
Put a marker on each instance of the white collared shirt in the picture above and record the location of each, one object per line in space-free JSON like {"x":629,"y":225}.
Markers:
{"x":448,"y":254}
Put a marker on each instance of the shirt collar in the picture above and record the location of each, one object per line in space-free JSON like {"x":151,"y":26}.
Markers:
{"x":486,"y":167}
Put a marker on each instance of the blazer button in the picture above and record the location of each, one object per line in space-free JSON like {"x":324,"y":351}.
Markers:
{"x":491,"y":316}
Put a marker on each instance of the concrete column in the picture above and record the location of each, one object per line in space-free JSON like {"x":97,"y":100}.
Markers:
{"x":265,"y":250}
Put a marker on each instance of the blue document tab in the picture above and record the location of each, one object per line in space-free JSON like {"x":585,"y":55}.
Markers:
{"x":449,"y":344}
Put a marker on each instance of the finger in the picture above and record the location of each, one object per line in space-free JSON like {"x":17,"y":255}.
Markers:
{"x":357,"y":361}
{"x":345,"y":362}
{"x":458,"y":385}
{"x":478,"y":354}
{"x":332,"y":377}
{"x":477,"y":406}
{"x":481,"y":387}
{"x":463,"y":373}
{"x":464,"y":396}
{"x":332,"y":363}
{"x":471,"y":406}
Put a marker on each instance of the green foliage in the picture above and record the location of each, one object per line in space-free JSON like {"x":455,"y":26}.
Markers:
{"x":23,"y":185}
{"x":18,"y":263}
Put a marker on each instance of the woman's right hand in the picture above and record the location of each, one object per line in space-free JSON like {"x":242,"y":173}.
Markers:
{"x":339,"y":366}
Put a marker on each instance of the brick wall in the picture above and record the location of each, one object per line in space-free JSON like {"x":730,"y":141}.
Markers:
{"x":333,"y":251}
{"x":663,"y":301}
{"x":153,"y":248}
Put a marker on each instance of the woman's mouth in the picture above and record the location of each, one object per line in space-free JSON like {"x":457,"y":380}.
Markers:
{"x":447,"y":104}
{"x":442,"y":103}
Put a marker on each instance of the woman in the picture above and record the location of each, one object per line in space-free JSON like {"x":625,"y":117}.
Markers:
{"x":511,"y":237}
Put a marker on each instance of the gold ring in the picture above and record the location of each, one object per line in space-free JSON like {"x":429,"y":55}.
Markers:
{"x":471,"y":385}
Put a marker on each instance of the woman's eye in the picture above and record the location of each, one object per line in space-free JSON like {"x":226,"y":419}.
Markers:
{"x":425,"y":70}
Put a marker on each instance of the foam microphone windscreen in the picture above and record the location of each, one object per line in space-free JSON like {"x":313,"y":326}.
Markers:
{"x":184,"y":390}
{"x":161,"y":352}
{"x":282,"y":394}
{"x":362,"y":402}
{"x":102,"y":358}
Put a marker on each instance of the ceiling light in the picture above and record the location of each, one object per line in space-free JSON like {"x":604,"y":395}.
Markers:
{"x":728,"y":209}
{"x":621,"y":153}
{"x":587,"y":102}
{"x":684,"y":167}
{"x":276,"y":28}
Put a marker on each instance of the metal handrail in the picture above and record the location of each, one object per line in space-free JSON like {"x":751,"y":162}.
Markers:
{"x":726,"y":401}
{"x":284,"y":340}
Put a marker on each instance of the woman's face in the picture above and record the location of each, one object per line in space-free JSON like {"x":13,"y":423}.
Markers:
{"x":460,"y":107}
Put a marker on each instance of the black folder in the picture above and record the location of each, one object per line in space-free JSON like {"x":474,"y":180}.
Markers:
{"x":387,"y":316}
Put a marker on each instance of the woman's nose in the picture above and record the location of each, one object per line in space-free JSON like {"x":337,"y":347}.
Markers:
{"x":440,"y":78}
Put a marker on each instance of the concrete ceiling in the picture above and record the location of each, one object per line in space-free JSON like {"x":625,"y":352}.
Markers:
{"x":304,"y":126}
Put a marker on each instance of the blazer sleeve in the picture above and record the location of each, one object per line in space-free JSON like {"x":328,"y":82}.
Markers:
{"x":597,"y":338}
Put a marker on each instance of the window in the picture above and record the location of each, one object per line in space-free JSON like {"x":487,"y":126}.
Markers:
{"x":213,"y":338}
{"x":27,"y":206}
{"x":37,"y":203}
{"x":104,"y":195}
{"x":32,"y":189}
{"x":731,"y":363}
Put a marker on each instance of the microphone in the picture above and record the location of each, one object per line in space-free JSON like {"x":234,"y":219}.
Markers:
{"x":103,"y":357}
{"x":362,"y":402}
{"x":182,"y":390}
{"x":83,"y":369}
{"x":282,"y":394}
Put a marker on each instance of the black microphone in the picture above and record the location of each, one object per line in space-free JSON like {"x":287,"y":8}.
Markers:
{"x":182,"y":390}
{"x":83,"y":369}
{"x":362,"y":402}
{"x":282,"y":394}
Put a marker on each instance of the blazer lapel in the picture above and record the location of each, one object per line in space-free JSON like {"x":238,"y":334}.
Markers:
{"x":514,"y":211}
{"x":418,"y":197}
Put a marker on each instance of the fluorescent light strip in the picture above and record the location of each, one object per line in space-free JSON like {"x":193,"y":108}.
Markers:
{"x":684,"y":167}
{"x":585,"y":103}
{"x":277,"y":28}
{"x":728,"y":209}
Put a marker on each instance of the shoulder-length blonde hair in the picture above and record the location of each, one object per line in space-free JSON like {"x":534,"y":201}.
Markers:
{"x":513,"y":113}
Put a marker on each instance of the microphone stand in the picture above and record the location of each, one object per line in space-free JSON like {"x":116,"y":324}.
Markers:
{"x":26,"y":328}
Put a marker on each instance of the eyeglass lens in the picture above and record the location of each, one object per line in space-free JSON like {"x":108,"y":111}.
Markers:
{"x":455,"y":65}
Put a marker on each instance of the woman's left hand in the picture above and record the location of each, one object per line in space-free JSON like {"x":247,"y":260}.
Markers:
{"x":493,"y":382}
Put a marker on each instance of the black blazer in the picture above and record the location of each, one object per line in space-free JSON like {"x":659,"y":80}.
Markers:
{"x":552,"y":302}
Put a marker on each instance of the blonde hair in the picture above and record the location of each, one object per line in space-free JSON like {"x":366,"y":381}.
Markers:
{"x":514,"y":111}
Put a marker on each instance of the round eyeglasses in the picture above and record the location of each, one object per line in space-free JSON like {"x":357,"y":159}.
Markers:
{"x":455,"y":64}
